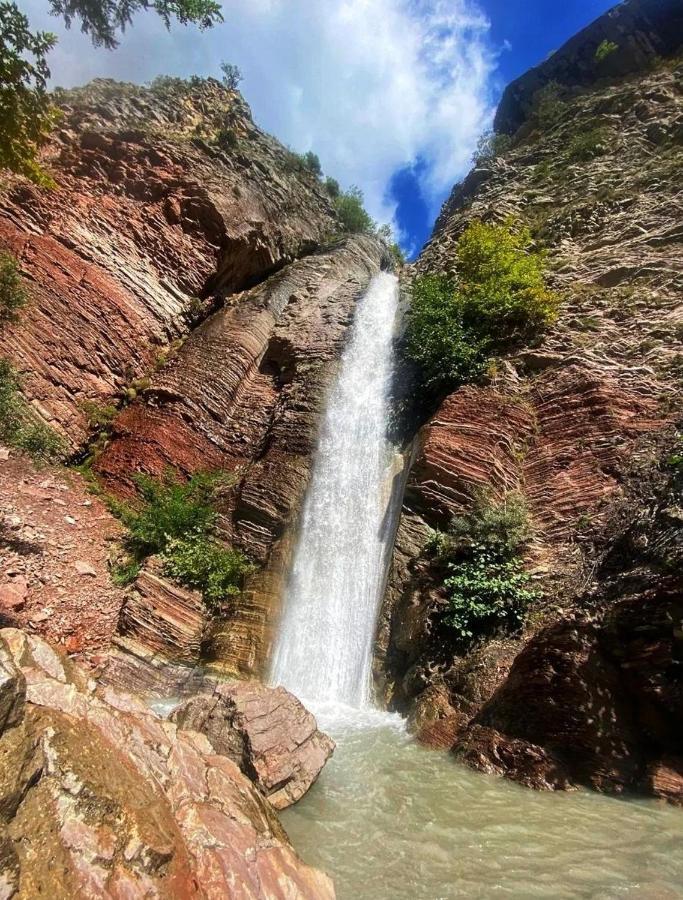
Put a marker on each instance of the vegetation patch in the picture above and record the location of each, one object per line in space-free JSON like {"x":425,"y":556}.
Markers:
{"x":486,"y":586}
{"x":19,"y":425}
{"x":490,"y":146}
{"x":499,"y":296}
{"x":589,"y":144}
{"x":176,"y":521}
{"x":604,"y":50}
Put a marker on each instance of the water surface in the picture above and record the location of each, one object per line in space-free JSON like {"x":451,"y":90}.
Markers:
{"x":390,"y":820}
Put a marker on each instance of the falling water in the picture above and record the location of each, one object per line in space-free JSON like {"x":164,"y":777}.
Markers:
{"x":324,"y":646}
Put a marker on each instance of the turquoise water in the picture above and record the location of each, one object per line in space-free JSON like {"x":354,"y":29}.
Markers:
{"x":390,"y":820}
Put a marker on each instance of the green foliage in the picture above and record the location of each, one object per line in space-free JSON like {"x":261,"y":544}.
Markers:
{"x":352,"y":215}
{"x":447,"y":353}
{"x":201,"y":563}
{"x":547,"y":105}
{"x":19,"y":426}
{"x":605,"y":48}
{"x":176,"y":520}
{"x":99,"y":415}
{"x":332,"y":186}
{"x":490,"y":146}
{"x":26,"y":113}
{"x":486,"y":594}
{"x":231,"y":75}
{"x":125,"y":573}
{"x":13,"y":295}
{"x":312,"y":163}
{"x":486,"y":586}
{"x":589,"y":144}
{"x":499,"y":296}
{"x":169,"y":509}
{"x":102,"y":19}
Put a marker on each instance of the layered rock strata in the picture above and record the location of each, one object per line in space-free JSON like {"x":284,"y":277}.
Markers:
{"x":575,"y":424}
{"x":244,"y":395}
{"x":166,"y":199}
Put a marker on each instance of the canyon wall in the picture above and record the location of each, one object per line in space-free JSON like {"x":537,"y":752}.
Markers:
{"x":167,"y":199}
{"x":582,"y":424}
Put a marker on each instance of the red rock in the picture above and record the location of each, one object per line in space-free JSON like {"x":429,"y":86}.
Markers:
{"x":266,"y":731}
{"x":14,"y":594}
{"x":85,"y":568}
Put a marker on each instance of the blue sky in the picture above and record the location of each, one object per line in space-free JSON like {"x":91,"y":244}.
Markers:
{"x":391,"y":94}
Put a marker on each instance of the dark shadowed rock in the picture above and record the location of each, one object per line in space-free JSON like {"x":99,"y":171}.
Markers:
{"x":266,"y":731}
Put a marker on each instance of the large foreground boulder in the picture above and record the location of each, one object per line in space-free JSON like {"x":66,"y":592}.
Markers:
{"x":269,"y":734}
{"x":101,"y":798}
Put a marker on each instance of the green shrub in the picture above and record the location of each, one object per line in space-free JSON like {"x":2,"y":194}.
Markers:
{"x":201,"y":563}
{"x":332,"y":187}
{"x":547,"y":105}
{"x":19,"y":426}
{"x":12,"y":291}
{"x":486,"y":594}
{"x":486,"y":586}
{"x":352,"y":215}
{"x":589,"y":144}
{"x":490,"y":146}
{"x":446,"y":352}
{"x":499,"y":296}
{"x":99,"y":415}
{"x":175,"y":520}
{"x":303,"y":163}
{"x":605,"y":48}
{"x":169,"y":509}
{"x":312,"y":163}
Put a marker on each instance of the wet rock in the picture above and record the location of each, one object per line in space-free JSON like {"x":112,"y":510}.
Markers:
{"x":266,"y":731}
{"x":100,"y":797}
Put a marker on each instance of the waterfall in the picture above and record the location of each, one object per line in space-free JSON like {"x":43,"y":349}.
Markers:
{"x":324,"y":647}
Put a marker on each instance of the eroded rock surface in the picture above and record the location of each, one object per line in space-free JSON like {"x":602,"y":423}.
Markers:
{"x":266,"y":731}
{"x":101,"y":798}
{"x":582,"y":424}
{"x":153,"y":219}
{"x":244,"y":395}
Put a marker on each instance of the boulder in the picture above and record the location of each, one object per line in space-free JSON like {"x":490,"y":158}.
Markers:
{"x":99,"y":797}
{"x":269,"y":734}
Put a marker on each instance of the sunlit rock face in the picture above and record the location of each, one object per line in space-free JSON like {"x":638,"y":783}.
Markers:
{"x":582,"y":424}
{"x":154,"y":208}
{"x":100,"y":797}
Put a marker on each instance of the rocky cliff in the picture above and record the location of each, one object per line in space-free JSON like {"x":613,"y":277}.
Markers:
{"x":583,"y":425}
{"x":168,"y":199}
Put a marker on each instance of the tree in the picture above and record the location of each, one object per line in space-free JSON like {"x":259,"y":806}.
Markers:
{"x":351,"y":212}
{"x":231,"y":75}
{"x":101,"y":19}
{"x":312,"y":163}
{"x":26,"y":114}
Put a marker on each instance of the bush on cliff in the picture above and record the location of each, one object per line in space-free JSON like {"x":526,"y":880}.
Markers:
{"x":486,"y":585}
{"x":13,"y":295}
{"x":176,"y":521}
{"x":352,"y":214}
{"x":201,"y":563}
{"x":499,"y":297}
{"x":19,"y":426}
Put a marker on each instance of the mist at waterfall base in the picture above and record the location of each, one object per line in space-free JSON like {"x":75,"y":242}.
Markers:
{"x":388,"y":819}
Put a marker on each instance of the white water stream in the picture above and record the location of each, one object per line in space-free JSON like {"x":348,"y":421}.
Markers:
{"x":324,"y":648}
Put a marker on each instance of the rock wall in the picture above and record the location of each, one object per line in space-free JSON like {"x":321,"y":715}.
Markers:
{"x":574,"y":423}
{"x":167,"y":199}
{"x":244,"y":395}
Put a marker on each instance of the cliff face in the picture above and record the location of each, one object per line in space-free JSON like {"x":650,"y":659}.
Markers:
{"x":575,"y":423}
{"x":161,"y":209}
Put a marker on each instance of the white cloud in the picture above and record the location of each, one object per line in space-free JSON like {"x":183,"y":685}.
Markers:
{"x":370,"y":85}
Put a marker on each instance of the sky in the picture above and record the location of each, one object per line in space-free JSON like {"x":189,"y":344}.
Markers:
{"x":391,"y":94}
